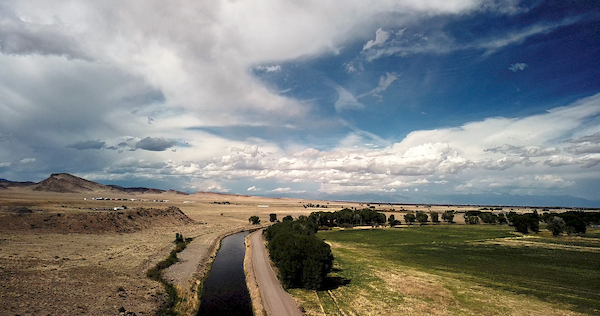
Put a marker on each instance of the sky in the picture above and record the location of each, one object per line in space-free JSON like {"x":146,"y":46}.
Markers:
{"x":431,"y":101}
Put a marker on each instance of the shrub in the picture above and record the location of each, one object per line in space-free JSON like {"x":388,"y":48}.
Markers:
{"x":272,"y":217}
{"x":255,"y":220}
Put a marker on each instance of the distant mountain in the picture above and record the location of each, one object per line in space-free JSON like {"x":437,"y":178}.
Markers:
{"x":176,"y":192}
{"x":66,"y":183}
{"x":135,"y":190}
{"x":4,"y":184}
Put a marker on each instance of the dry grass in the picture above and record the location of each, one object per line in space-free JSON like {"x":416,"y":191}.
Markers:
{"x":98,"y":272}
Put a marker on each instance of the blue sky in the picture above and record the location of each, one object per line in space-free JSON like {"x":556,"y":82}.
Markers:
{"x":470,"y":101}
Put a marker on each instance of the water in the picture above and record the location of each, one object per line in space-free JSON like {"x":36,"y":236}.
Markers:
{"x":225,"y":290}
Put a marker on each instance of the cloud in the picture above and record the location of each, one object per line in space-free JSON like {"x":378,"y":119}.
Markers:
{"x":524,"y":151}
{"x":19,"y":37}
{"x":381,"y":37}
{"x":518,"y":67}
{"x":27,"y":160}
{"x":272,"y":68}
{"x":384,"y":83}
{"x":438,"y":41}
{"x":476,"y":150}
{"x":89,"y":144}
{"x":253,"y":189}
{"x":287,"y":190}
{"x":346,"y":101}
{"x":155,"y":144}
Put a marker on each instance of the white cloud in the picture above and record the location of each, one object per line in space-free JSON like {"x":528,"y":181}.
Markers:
{"x":518,"y":67}
{"x":346,"y":101}
{"x":381,"y":37}
{"x":272,"y":68}
{"x":27,"y":160}
{"x":476,"y":150}
{"x":253,"y":189}
{"x":437,"y":41}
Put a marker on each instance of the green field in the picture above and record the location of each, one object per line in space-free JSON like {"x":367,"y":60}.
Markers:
{"x":466,"y":270}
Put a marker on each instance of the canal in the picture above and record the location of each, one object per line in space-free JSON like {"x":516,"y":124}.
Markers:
{"x":225,"y":291}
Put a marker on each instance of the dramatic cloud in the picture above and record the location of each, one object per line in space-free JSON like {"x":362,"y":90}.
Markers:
{"x":300,"y":98}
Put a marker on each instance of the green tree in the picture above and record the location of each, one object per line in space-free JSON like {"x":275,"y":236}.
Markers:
{"x":422,"y":218}
{"x":448,"y":216}
{"x":502,"y":219}
{"x":435,"y":217}
{"x":556,"y":225}
{"x":471,"y":219}
{"x":392,"y":221}
{"x":410,"y":218}
{"x":272,"y":217}
{"x":254,"y":220}
{"x":288,"y":218}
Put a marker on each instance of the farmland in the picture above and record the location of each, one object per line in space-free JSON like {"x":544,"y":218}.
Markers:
{"x":459,"y":270}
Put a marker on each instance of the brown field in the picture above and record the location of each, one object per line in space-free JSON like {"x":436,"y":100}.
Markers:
{"x":66,"y":254}
{"x":53,"y":264}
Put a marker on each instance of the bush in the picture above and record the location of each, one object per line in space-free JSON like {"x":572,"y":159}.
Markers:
{"x":273,"y":217}
{"x":255,"y":220}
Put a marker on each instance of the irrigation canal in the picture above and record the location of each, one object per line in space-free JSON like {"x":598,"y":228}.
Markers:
{"x":225,"y":290}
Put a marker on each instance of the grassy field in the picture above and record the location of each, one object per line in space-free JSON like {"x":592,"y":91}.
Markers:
{"x":459,"y":270}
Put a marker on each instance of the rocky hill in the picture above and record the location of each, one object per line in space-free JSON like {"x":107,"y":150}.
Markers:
{"x":123,"y":221}
{"x":67,"y":183}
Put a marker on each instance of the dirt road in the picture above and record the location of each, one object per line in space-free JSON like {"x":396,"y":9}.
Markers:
{"x":276,"y":300}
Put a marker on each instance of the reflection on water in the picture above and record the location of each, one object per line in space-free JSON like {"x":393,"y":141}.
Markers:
{"x":225,"y":290}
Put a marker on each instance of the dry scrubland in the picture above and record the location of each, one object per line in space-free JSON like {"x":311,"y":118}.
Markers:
{"x":67,"y":257}
{"x":63,"y":265}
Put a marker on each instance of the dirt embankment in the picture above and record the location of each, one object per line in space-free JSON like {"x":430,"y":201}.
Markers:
{"x":123,"y":221}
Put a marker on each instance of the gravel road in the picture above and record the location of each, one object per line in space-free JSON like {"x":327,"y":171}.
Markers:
{"x":276,"y":300}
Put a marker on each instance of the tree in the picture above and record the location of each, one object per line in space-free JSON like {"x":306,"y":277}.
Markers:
{"x":254,"y":220}
{"x":272,"y":217}
{"x":302,"y":259}
{"x":556,"y":225}
{"x":502,"y":219}
{"x":422,"y":218}
{"x":448,"y":216}
{"x":288,"y":218}
{"x":435,"y":218}
{"x":392,"y":221}
{"x":471,"y":219}
{"x":409,"y":218}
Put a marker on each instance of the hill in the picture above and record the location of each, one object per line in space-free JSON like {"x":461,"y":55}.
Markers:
{"x":67,"y":183}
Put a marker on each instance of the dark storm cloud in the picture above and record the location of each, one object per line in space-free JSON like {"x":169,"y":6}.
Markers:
{"x":89,"y":144}
{"x":155,"y":144}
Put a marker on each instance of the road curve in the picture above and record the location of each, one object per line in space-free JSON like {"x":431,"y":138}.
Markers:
{"x":276,"y":300}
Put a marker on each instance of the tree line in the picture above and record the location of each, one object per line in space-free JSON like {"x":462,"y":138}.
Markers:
{"x":302,"y":259}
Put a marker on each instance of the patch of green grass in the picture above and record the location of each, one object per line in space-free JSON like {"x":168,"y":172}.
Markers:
{"x":555,"y":275}
{"x":155,"y":274}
